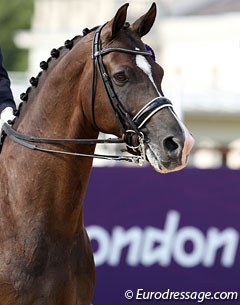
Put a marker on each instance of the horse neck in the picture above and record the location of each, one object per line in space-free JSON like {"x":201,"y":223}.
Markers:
{"x":56,"y":109}
{"x":58,"y":106}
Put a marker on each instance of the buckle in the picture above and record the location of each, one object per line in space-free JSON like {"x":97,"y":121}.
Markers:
{"x":131,"y":137}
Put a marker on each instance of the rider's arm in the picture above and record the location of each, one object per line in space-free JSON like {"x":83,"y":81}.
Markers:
{"x":6,"y":97}
{"x":7,"y":104}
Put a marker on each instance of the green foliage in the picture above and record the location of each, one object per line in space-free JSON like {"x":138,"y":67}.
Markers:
{"x":14,"y":15}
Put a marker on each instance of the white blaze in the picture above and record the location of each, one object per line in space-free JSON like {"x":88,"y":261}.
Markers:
{"x":144,"y":65}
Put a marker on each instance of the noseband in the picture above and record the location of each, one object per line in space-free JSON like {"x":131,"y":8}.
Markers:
{"x":130,"y":126}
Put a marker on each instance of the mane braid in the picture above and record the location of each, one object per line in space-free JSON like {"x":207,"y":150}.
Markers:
{"x":87,"y":31}
{"x":55,"y":54}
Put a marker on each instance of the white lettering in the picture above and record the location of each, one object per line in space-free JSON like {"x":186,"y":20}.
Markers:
{"x":139,"y":294}
{"x":161,"y":254}
{"x":152,"y":245}
{"x":122,"y":238}
{"x":194,"y":257}
{"x":228,"y":239}
{"x":102,"y":237}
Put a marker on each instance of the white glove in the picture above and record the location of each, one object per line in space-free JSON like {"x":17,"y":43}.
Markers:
{"x":6,"y":115}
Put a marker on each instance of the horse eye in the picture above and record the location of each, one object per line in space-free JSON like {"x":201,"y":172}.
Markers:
{"x":121,"y":77}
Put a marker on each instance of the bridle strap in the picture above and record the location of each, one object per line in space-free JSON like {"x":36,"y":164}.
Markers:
{"x":23,"y":140}
{"x":18,"y":135}
{"x":125,"y":120}
{"x":150,"y":109}
{"x":121,"y":50}
{"x":123,"y":117}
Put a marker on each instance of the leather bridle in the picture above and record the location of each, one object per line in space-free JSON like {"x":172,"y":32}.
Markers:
{"x":131,"y":127}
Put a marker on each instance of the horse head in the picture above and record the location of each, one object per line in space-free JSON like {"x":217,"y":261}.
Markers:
{"x":129,"y":100}
{"x":124,"y":97}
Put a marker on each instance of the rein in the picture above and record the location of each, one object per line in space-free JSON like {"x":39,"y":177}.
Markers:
{"x":130,"y":126}
{"x":23,"y":140}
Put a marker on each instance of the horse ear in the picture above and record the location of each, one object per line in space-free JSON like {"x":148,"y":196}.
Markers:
{"x":119,"y":19}
{"x":143,"y":25}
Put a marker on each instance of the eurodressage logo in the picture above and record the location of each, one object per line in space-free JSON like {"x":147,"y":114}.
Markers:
{"x":152,"y":245}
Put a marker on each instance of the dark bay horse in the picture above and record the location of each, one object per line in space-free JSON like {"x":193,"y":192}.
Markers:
{"x":103,"y":81}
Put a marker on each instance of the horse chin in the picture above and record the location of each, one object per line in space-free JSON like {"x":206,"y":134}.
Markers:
{"x":163,"y":167}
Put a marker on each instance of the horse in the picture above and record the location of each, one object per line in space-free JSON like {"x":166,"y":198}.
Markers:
{"x":105,"y":80}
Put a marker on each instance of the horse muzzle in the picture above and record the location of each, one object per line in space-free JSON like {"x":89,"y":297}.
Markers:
{"x":171,"y":154}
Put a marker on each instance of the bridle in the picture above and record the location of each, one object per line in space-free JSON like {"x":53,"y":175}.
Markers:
{"x":131,"y":127}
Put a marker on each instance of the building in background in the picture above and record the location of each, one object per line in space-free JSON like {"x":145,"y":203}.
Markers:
{"x":200,"y":52}
{"x":196,"y":41}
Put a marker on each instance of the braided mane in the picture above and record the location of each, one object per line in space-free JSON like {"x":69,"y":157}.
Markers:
{"x":55,"y":54}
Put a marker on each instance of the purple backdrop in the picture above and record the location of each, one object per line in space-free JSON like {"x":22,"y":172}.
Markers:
{"x":156,"y":232}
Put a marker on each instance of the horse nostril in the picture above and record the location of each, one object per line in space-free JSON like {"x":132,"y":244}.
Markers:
{"x":171,"y":145}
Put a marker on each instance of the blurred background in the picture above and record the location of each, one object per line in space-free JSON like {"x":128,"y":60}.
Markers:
{"x":197,"y":42}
